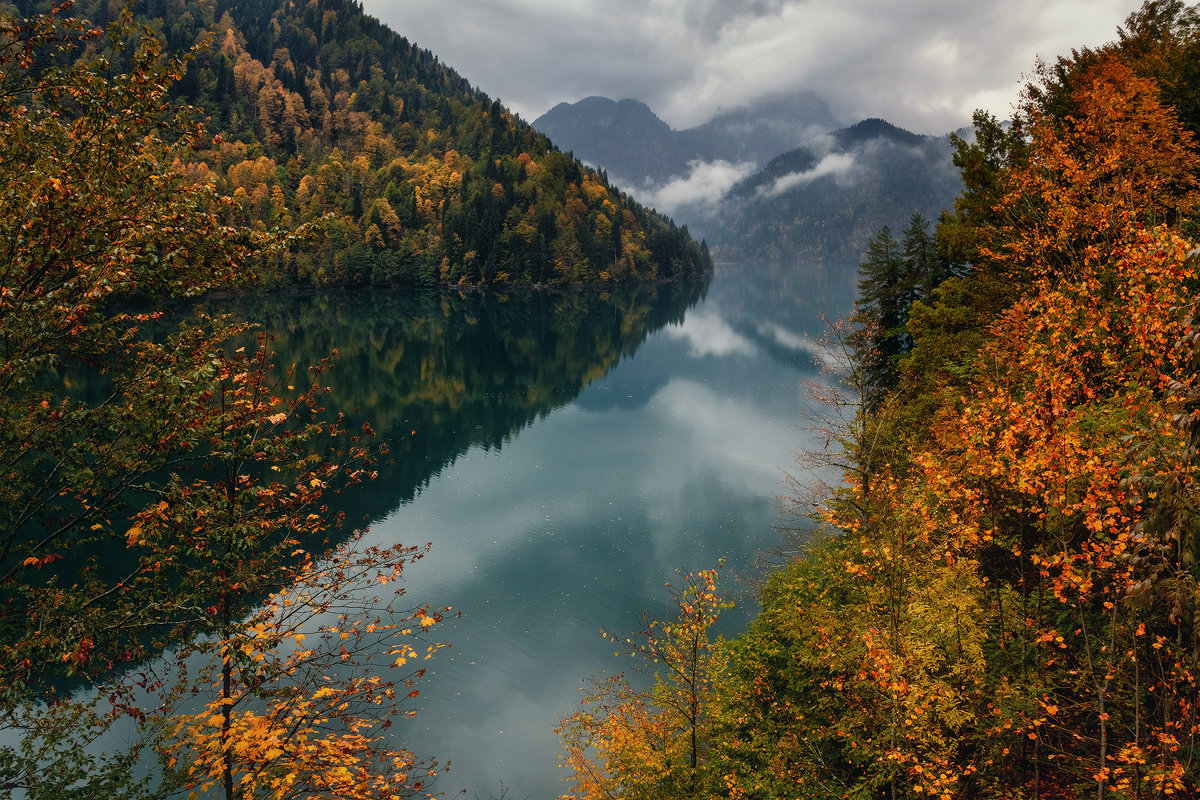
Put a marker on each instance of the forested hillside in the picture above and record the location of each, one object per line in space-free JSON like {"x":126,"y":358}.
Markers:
{"x":1003,"y":599}
{"x":315,"y":112}
{"x":823,"y":202}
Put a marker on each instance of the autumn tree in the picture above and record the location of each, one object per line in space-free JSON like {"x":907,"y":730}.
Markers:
{"x":298,"y":705}
{"x":159,"y":480}
{"x":95,"y":214}
{"x":1122,"y":162}
{"x":652,"y":744}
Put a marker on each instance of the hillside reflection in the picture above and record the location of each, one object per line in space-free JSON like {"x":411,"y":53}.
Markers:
{"x":439,"y":372}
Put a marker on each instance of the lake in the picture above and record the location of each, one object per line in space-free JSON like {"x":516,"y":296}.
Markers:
{"x":565,"y":452}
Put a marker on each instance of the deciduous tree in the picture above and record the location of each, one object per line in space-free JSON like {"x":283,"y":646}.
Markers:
{"x":652,"y":744}
{"x":160,"y":482}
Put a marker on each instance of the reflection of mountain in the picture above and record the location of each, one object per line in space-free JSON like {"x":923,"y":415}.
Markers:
{"x":753,"y":312}
{"x":782,"y":346}
{"x":630,"y":387}
{"x":801,"y":297}
{"x":438,"y":372}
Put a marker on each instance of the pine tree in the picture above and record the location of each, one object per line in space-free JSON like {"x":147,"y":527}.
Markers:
{"x":882,"y":312}
{"x":920,"y":261}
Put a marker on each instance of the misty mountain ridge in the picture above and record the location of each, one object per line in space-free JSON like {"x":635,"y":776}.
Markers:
{"x":819,"y":195}
{"x":639,"y":150}
{"x":835,"y":152}
{"x":826,"y":200}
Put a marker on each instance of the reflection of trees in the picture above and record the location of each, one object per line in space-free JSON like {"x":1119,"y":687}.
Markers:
{"x":438,"y":372}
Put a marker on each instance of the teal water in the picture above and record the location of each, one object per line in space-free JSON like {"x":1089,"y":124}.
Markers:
{"x":565,"y":453}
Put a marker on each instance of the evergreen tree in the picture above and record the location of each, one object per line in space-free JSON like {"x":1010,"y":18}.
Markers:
{"x":920,"y":261}
{"x":882,"y":312}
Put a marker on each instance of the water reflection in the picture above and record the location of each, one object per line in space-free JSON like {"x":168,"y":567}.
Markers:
{"x":561,"y":476}
{"x":437,"y":373}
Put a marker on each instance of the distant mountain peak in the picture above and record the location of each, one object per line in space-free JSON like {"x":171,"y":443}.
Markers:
{"x":876,"y":128}
{"x":625,"y":137}
{"x":630,"y":141}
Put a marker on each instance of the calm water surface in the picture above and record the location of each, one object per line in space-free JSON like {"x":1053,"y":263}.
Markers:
{"x":565,"y":455}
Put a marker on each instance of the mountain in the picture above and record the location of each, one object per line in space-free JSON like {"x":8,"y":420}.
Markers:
{"x":777,"y":179}
{"x":315,"y":112}
{"x":759,"y":131}
{"x":638,"y":149}
{"x":825,"y":201}
{"x":625,"y":136}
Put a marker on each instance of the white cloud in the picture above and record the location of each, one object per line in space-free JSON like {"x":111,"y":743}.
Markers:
{"x":833,"y":164}
{"x":701,"y":189}
{"x":922,"y":64}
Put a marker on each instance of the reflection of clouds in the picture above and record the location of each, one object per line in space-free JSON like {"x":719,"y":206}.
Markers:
{"x":833,"y":359}
{"x":822,"y":353}
{"x":575,"y":525}
{"x":745,"y":445}
{"x":785,"y":338}
{"x":708,"y":334}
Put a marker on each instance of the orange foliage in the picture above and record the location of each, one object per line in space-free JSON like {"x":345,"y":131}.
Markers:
{"x":298,"y":705}
{"x":1124,"y":162}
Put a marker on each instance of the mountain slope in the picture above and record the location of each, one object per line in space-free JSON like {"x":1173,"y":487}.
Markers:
{"x":315,"y":112}
{"x":825,"y":201}
{"x":638,"y":149}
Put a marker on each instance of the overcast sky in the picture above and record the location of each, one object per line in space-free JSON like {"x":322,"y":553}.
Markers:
{"x":922,"y":64}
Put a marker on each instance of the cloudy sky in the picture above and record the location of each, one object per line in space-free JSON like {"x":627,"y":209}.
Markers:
{"x":923,"y":64}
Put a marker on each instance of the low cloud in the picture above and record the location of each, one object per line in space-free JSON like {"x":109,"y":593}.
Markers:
{"x":924,"y":65}
{"x":838,"y":164}
{"x":702,"y":189}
